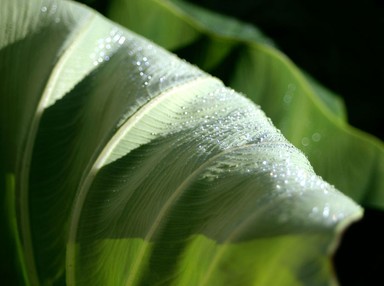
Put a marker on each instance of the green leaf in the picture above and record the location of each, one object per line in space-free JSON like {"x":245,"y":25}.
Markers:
{"x":310,"y":116}
{"x":133,"y":167}
{"x":12,"y":263}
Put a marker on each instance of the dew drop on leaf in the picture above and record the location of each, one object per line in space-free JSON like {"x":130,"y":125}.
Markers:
{"x":305,"y":141}
{"x":316,"y":137}
{"x":121,"y":40}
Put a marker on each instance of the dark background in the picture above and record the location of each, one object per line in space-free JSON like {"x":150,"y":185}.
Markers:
{"x":341,"y":44}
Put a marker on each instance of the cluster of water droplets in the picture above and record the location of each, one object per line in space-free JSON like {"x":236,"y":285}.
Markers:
{"x":105,"y":47}
{"x":314,"y":138}
{"x":151,"y":69}
{"x":245,"y":142}
{"x":50,"y":9}
{"x":283,"y":175}
{"x":290,"y":93}
{"x":157,"y":69}
{"x":296,"y":179}
{"x":288,"y":98}
{"x":224,"y":119}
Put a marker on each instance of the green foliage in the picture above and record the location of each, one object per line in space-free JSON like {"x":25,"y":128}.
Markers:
{"x":130,"y":166}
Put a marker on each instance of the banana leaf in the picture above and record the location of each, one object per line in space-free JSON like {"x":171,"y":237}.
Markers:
{"x":123,"y":165}
{"x":310,"y":116}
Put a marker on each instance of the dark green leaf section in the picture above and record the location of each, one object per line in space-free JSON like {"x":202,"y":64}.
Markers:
{"x":13,"y":268}
{"x":311,"y":117}
{"x":132,"y":167}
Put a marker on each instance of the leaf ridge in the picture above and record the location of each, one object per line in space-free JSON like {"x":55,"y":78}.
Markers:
{"x":25,"y":162}
{"x":103,"y":156}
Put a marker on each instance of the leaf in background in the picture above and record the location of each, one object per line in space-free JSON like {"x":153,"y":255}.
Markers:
{"x":133,"y":167}
{"x":307,"y":114}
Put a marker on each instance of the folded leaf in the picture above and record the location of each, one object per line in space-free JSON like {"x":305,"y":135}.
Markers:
{"x":133,"y":167}
{"x":310,"y":116}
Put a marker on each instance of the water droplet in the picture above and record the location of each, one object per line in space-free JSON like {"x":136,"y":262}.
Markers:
{"x":113,"y":32}
{"x":44,"y":9}
{"x":289,"y":94}
{"x":291,"y":87}
{"x":326,"y":211}
{"x":121,"y":40}
{"x":305,"y":141}
{"x":116,"y":38}
{"x":316,"y":137}
{"x":287,"y":98}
